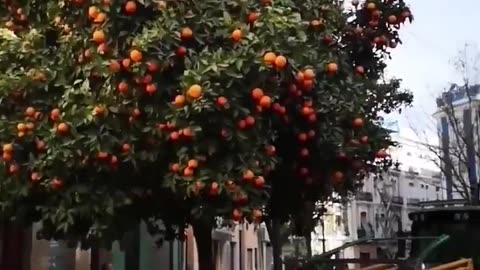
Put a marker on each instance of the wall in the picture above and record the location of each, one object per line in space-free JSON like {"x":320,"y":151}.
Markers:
{"x":250,"y":252}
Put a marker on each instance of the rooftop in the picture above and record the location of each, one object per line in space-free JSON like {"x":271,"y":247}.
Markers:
{"x":456,"y":95}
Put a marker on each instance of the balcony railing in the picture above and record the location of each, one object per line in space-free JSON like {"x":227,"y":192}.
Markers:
{"x":365,"y":233}
{"x":364,"y":196}
{"x":413,"y":202}
{"x":397,"y":200}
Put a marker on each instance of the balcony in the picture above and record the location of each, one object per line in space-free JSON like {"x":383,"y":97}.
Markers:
{"x":365,"y":233}
{"x":413,"y":202}
{"x":364,"y":196}
{"x":397,"y":200}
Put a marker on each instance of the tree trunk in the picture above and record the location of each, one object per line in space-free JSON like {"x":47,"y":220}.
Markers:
{"x":13,"y":239}
{"x":276,"y":241}
{"x":308,"y":243}
{"x":94,"y":258}
{"x":202,"y":230}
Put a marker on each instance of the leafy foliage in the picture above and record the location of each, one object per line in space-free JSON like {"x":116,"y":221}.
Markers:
{"x":120,"y":111}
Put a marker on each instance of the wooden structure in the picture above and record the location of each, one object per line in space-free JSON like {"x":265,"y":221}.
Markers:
{"x":464,"y":264}
{"x":380,"y":267}
{"x":455,"y":218}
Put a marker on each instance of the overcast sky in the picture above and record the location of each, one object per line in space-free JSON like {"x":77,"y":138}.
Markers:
{"x":424,"y":60}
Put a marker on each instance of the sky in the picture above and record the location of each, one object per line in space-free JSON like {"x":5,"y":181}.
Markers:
{"x":424,"y":60}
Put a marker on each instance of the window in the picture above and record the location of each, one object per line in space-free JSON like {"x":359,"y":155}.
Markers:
{"x":216,"y":250}
{"x":421,"y":186}
{"x":411,"y":184}
{"x":240,"y":249}
{"x":437,"y":189}
{"x":364,"y":256}
{"x":249,"y":259}
{"x":338,"y":221}
{"x":232,"y":255}
{"x":426,"y":186}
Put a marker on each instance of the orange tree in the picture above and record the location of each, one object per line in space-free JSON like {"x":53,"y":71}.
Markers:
{"x":119,"y":111}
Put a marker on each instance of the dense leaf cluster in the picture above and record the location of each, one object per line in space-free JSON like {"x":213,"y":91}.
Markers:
{"x":119,"y":111}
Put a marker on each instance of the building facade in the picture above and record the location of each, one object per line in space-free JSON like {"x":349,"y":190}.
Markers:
{"x":240,"y":247}
{"x":380,"y":209}
{"x":457,"y":116}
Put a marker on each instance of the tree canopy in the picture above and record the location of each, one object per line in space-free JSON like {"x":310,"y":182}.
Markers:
{"x":119,"y":111}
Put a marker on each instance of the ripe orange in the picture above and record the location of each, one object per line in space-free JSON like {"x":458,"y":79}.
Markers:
{"x":7,"y":156}
{"x":162,"y":5}
{"x":98,"y":110}
{"x":392,"y":19}
{"x":136,"y":55}
{"x":40,"y":145}
{"x":126,"y":147}
{"x":360,"y":70}
{"x":241,"y":124}
{"x":237,"y":215}
{"x":152,"y":67}
{"x":30,"y":111}
{"x":250,"y":120}
{"x":309,"y":74}
{"x":222,"y":101}
{"x":174,"y":136}
{"x":193,"y":163}
{"x":130,"y":7}
{"x":34,"y":177}
{"x":62,"y":128}
{"x":357,"y":122}
{"x":136,"y":113}
{"x":186,"y":33}
{"x":174,"y":167}
{"x":100,"y":18}
{"x":381,"y":153}
{"x":102,"y":155}
{"x":55,"y":114}
{"x":195,"y":91}
{"x":266,"y":2}
{"x":151,"y":88}
{"x":332,"y":68}
{"x":237,"y":35}
{"x":252,"y":17}
{"x":317,"y":24}
{"x":257,"y":214}
{"x":13,"y":169}
{"x":126,"y":63}
{"x":114,"y":66}
{"x":248,"y":175}
{"x":122,"y":87}
{"x":338,"y":176}
{"x":98,"y":36}
{"x":269,"y":58}
{"x":187,"y":132}
{"x":113,"y":160}
{"x":56,"y":184}
{"x":179,"y":100}
{"x":29,"y":126}
{"x":257,"y":93}
{"x":265,"y":102}
{"x":87,"y":53}
{"x":8,"y":147}
{"x":188,"y":171}
{"x":93,"y":12}
{"x":280,"y":61}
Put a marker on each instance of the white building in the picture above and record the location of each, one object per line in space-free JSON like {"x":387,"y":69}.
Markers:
{"x":458,"y":121}
{"x":384,"y":203}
